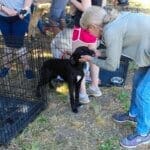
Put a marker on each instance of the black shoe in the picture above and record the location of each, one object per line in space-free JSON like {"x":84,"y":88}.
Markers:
{"x":123,"y":117}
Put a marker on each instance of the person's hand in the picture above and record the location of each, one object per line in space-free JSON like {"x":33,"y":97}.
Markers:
{"x":97,"y":53}
{"x":85,"y":58}
{"x":21,"y":16}
{"x":23,"y":13}
{"x":68,"y":52}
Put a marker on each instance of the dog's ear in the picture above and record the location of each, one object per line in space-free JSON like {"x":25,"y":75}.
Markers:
{"x":80,"y":51}
{"x":92,"y":53}
{"x":84,"y":50}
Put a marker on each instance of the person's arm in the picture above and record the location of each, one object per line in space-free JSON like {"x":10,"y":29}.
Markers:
{"x":83,"y":5}
{"x":27,"y":4}
{"x":114,"y":2}
{"x":8,"y":11}
{"x":104,"y":3}
{"x":114,"y":42}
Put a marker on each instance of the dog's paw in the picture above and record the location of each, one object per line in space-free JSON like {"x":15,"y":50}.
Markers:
{"x":75,"y":110}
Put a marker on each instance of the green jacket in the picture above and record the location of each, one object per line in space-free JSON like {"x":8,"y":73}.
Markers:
{"x":127,"y":35}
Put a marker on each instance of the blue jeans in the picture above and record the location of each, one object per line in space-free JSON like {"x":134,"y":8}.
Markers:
{"x":57,"y":10}
{"x":140,"y":100}
{"x":13,"y":30}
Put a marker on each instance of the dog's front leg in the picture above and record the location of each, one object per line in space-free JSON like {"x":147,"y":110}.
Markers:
{"x":71,"y":87}
{"x":40,"y":85}
{"x":45,"y":77}
{"x":77,"y":91}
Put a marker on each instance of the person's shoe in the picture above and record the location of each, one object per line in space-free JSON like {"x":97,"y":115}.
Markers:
{"x":29,"y":74}
{"x":96,"y":92}
{"x":4,"y":71}
{"x":123,"y":117}
{"x":133,"y":140}
{"x":62,"y":24}
{"x":83,"y":98}
{"x":55,"y":26}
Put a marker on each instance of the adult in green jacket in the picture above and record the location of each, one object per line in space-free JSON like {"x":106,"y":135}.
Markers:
{"x":126,"y":34}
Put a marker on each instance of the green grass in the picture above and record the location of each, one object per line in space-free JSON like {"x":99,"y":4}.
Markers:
{"x":109,"y":144}
{"x":123,"y":97}
{"x":132,"y":66}
{"x":96,"y":108}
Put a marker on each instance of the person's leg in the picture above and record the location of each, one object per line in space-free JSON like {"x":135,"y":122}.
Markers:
{"x":143,"y":104}
{"x":19,"y":29}
{"x":131,"y":115}
{"x":8,"y":52}
{"x":138,"y":76}
{"x":142,"y":134}
{"x":5,"y":29}
{"x":62,"y":21}
{"x":6,"y":64}
{"x":94,"y":90}
{"x":22,"y":55}
{"x":83,"y":96}
{"x":94,"y":74}
{"x":57,"y":14}
{"x":57,"y":10}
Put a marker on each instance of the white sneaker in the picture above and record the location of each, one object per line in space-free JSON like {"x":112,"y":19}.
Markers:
{"x":96,"y":92}
{"x":83,"y":98}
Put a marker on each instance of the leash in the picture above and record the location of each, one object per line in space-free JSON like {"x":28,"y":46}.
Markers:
{"x":64,"y":53}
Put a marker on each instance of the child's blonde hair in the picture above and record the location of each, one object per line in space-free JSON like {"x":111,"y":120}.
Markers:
{"x":97,"y":15}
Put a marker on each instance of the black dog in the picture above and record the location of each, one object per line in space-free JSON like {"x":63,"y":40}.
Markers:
{"x":71,"y":70}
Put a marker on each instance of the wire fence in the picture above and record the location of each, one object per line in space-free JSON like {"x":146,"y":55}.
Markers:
{"x":18,"y":102}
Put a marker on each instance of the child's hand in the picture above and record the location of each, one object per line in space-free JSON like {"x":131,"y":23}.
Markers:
{"x":85,"y":58}
{"x":97,"y":53}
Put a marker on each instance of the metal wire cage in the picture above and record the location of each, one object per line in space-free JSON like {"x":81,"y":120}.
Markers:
{"x":18,"y":102}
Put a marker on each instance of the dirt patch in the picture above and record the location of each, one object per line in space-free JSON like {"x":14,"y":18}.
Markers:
{"x":57,"y":128}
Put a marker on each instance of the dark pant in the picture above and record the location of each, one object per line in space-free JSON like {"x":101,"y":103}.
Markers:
{"x":57,"y":10}
{"x":13,"y":30}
